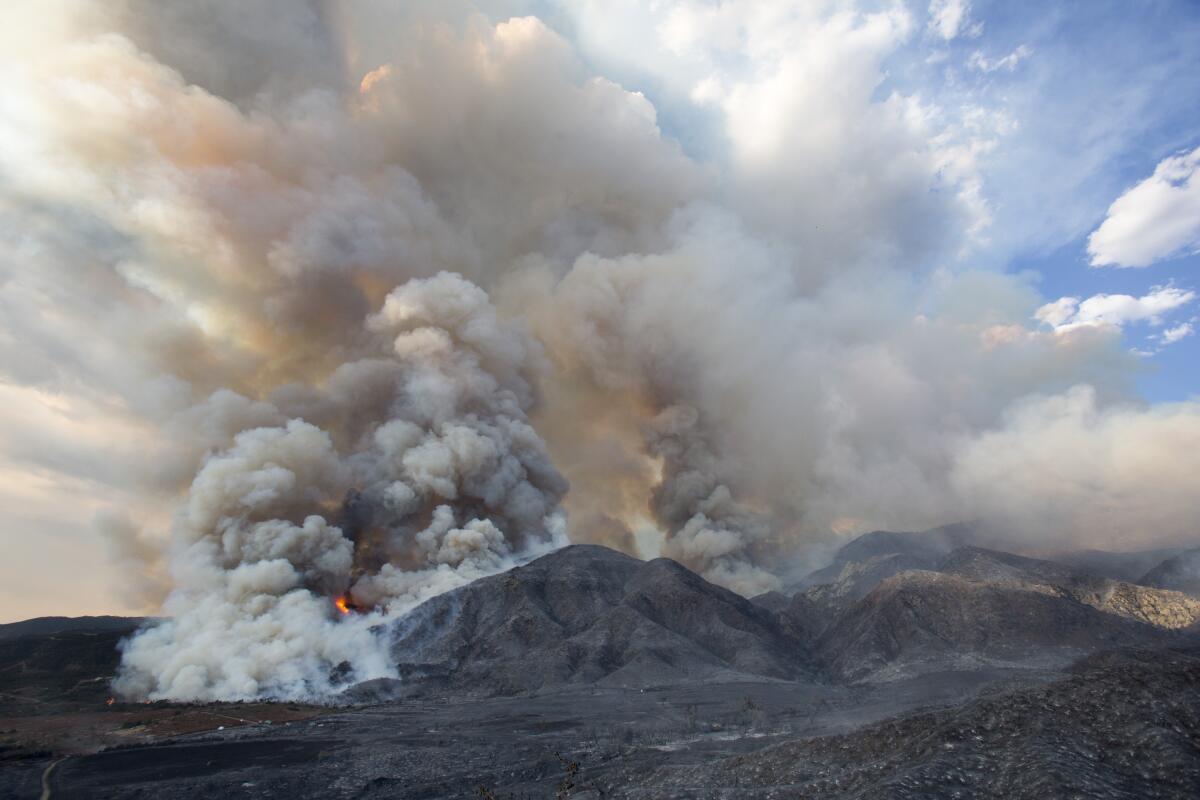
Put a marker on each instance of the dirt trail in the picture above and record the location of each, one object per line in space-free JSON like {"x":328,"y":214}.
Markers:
{"x":46,"y":777}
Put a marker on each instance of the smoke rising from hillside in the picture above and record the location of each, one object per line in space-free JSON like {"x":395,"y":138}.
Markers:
{"x":423,"y":475}
{"x":357,"y":292}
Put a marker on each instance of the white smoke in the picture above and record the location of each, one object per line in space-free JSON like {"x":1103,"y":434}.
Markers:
{"x":446,"y":482}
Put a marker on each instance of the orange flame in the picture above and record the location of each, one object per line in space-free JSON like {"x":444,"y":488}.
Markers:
{"x":343,"y":605}
{"x":110,"y":701}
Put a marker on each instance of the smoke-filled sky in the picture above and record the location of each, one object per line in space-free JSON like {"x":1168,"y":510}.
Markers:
{"x":304,"y":298}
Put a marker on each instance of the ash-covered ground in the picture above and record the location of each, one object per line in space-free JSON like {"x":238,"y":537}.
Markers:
{"x":915,"y":666}
{"x":452,"y":746}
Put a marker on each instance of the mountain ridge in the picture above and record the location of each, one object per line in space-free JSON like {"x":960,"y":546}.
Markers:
{"x":589,"y":614}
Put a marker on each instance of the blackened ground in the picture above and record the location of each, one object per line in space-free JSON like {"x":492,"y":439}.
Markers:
{"x":1123,"y":724}
{"x":1126,"y":724}
{"x":589,"y":674}
{"x":54,"y":703}
{"x":511,"y":746}
{"x":48,"y":626}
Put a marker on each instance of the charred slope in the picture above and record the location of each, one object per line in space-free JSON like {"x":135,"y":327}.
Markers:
{"x":926,"y":544}
{"x":1120,"y":566}
{"x":1180,"y":573}
{"x":865,"y":562}
{"x":59,"y":659}
{"x":1124,"y":725}
{"x":1157,"y":607}
{"x":921,"y":621}
{"x":45,"y":626}
{"x":588,"y":614}
{"x":919,"y":550}
{"x":856,"y":580}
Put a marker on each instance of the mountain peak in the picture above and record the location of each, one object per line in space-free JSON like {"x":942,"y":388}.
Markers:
{"x":588,"y":614}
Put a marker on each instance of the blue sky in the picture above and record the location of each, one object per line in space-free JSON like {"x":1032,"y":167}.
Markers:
{"x":1123,"y":78}
{"x":1106,"y":93}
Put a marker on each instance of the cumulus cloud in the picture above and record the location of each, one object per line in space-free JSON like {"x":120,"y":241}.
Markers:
{"x":1117,"y":310}
{"x":1175,"y":334}
{"x":1155,"y":219}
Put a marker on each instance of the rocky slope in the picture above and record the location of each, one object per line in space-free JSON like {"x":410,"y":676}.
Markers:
{"x":1180,"y":573}
{"x":868,"y":562}
{"x":586,"y":614}
{"x":976,"y":606}
{"x":862,"y":564}
{"x":866,"y":554}
{"x":663,"y":685}
{"x":931,"y":544}
{"x":1158,"y":607}
{"x":1123,"y":566}
{"x":52,"y":659}
{"x":922,"y":621}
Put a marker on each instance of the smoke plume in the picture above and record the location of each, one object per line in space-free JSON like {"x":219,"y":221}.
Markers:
{"x":421,"y":473}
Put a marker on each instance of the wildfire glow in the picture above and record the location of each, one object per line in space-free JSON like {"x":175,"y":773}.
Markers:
{"x":343,"y":605}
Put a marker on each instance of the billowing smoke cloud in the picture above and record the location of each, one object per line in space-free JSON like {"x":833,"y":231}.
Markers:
{"x":348,"y":298}
{"x":421,"y":473}
{"x":1108,"y":475}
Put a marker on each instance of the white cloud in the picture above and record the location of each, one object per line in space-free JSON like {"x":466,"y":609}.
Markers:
{"x":949,"y":18}
{"x":981,"y":63}
{"x":1180,"y":331}
{"x":1156,"y":219}
{"x":1118,"y":310}
{"x":1059,"y":312}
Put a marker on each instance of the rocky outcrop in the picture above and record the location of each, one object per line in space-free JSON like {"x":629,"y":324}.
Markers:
{"x":815,"y":609}
{"x":1158,"y":607}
